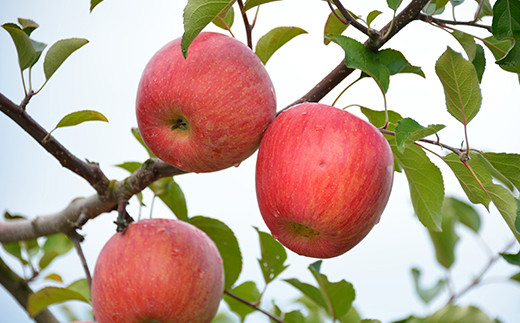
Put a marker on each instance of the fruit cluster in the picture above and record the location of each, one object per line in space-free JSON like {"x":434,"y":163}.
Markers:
{"x":323,"y":178}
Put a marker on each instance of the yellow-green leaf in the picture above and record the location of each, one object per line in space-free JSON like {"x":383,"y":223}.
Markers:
{"x":272,"y":41}
{"x":59,"y":52}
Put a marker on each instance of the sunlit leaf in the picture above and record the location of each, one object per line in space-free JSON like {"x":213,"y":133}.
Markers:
{"x":409,"y":131}
{"x":171,"y":194}
{"x":295,"y":316}
{"x":15,"y":249}
{"x":461,"y":86}
{"x":226,"y":243}
{"x":247,"y":291}
{"x":312,"y":292}
{"x":130,"y":166}
{"x":269,"y":43}
{"x":78,"y":117}
{"x":425,"y":182}
{"x":52,"y":295}
{"x":28,"y":25}
{"x":454,"y":313}
{"x":137,"y":135}
{"x":54,"y":277}
{"x":24,"y":46}
{"x":253,"y":3}
{"x":59,"y":52}
{"x":372,"y":15}
{"x":94,"y":3}
{"x":225,"y":18}
{"x":333,"y":26}
{"x":197,"y":15}
{"x":273,"y":256}
{"x":339,"y":295}
{"x":468,"y":43}
{"x":394,"y":4}
{"x":56,"y":245}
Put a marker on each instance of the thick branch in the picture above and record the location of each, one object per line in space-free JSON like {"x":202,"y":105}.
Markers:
{"x":80,"y":210}
{"x":89,"y":171}
{"x":20,"y":290}
{"x":339,"y":73}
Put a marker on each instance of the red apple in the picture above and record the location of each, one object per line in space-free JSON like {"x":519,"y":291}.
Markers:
{"x":206,"y":112}
{"x":158,"y":270}
{"x":323,"y":178}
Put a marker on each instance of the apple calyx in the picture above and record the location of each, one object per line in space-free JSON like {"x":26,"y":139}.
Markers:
{"x":179,"y":123}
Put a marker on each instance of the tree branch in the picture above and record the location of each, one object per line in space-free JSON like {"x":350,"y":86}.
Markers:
{"x":350,"y":20}
{"x":80,"y":210}
{"x":20,"y":290}
{"x":340,"y":72}
{"x":89,"y":171}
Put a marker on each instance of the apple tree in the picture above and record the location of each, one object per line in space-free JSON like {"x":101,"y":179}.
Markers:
{"x":447,"y":161}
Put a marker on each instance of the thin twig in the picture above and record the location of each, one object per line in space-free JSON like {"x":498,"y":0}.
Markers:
{"x":443,"y":22}
{"x":478,"y":279}
{"x":248,"y":303}
{"x":349,"y":19}
{"x":76,"y":239}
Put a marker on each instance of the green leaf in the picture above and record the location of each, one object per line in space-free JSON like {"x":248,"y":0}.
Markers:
{"x":425,"y":182}
{"x":396,"y":62}
{"x":360,"y":57}
{"x":15,"y":249}
{"x":137,"y":135}
{"x":56,"y":245}
{"x":312,"y":292}
{"x":333,"y":26}
{"x":247,"y":291}
{"x":171,"y":194}
{"x":28,"y":25}
{"x":38,"y":49}
{"x":94,"y":3}
{"x":226,"y":243}
{"x":503,"y":168}
{"x":513,"y":259}
{"x":464,"y":213}
{"x":295,"y":316}
{"x":339,"y":295}
{"x":515,"y":277}
{"x":130,"y":166}
{"x":506,"y":19}
{"x":408,"y":131}
{"x":8,"y":216}
{"x":55,"y":277}
{"x":197,"y":15}
{"x":468,"y":43}
{"x":487,"y":10}
{"x":372,"y":15}
{"x":352,"y":316}
{"x":269,"y":43}
{"x":78,"y":117}
{"x":394,"y":4}
{"x":253,"y":3}
{"x":511,"y":61}
{"x":377,"y":118}
{"x":454,"y":313}
{"x":470,"y":186}
{"x":461,"y":86}
{"x":59,"y":52}
{"x":445,"y":240}
{"x":479,"y":62}
{"x":273,"y":256}
{"x":507,"y":205}
{"x":502,"y":48}
{"x":52,"y":295}
{"x":225,"y":18}
{"x":24,"y":46}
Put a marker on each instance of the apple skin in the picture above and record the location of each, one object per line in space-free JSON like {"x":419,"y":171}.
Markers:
{"x":220,"y":100}
{"x":323,"y":178}
{"x":160,"y":270}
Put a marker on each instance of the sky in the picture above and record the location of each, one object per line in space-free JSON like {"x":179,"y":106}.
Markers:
{"x":103,"y":76}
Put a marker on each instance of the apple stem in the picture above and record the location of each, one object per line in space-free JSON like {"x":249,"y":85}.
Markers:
{"x":123,"y":218}
{"x":76,"y":239}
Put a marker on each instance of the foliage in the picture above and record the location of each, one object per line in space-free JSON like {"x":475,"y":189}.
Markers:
{"x":485,"y":177}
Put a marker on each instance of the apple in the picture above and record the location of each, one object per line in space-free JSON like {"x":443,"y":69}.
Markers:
{"x":159,"y":270}
{"x":323,"y":178}
{"x":206,"y":112}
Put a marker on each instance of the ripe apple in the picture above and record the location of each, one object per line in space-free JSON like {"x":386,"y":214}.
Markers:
{"x":206,"y":112}
{"x":323,"y":178}
{"x":158,"y":270}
